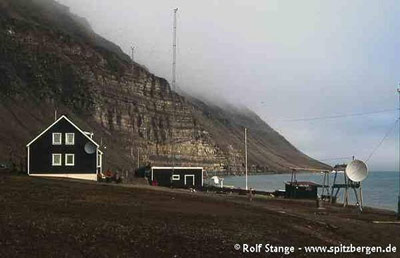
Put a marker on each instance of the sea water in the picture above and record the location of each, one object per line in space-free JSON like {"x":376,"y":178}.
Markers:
{"x":380,"y":189}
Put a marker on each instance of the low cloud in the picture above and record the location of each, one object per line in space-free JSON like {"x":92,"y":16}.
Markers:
{"x":283,"y":59}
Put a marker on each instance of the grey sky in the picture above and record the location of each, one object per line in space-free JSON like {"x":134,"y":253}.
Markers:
{"x":283,"y":59}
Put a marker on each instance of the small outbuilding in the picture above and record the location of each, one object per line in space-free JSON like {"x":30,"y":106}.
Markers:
{"x":180,"y":177}
{"x":64,"y":150}
{"x":301,"y":190}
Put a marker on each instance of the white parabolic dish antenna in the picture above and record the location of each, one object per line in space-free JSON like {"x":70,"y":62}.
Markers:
{"x":357,"y":170}
{"x":215,"y":179}
{"x":90,"y":148}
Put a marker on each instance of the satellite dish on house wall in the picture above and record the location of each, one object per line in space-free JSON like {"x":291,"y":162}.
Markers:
{"x":90,"y":148}
{"x":357,"y":170}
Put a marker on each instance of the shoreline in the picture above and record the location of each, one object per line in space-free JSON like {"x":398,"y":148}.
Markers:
{"x":379,"y":189}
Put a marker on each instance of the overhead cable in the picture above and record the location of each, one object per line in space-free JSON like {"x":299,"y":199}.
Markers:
{"x":383,"y":139}
{"x":338,"y":116}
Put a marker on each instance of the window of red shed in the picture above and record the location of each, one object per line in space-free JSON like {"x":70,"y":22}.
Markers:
{"x":69,"y":138}
{"x":57,"y":138}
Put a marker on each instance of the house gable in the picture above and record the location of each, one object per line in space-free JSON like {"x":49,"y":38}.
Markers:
{"x":57,"y":121}
{"x":75,"y":157}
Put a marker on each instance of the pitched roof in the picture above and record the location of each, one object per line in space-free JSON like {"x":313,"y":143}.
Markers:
{"x":177,"y":167}
{"x":62,"y":117}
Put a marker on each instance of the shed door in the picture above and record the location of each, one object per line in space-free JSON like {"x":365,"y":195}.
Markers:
{"x":189,"y":180}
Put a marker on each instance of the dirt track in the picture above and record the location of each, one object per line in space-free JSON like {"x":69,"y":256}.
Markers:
{"x":58,"y":218}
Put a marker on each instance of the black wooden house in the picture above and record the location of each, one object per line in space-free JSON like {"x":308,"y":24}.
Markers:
{"x":179,"y":177}
{"x":64,"y":150}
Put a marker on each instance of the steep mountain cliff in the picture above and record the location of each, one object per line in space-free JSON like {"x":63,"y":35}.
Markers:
{"x":51,"y":60}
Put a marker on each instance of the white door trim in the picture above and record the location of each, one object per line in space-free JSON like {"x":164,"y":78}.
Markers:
{"x":193,"y":179}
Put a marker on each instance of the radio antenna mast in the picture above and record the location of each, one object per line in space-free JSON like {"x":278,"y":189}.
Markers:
{"x":173,"y":88}
{"x":174,"y":53}
{"x":133,"y":53}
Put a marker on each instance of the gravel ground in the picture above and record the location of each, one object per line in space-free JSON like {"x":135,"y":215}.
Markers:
{"x":63,"y":218}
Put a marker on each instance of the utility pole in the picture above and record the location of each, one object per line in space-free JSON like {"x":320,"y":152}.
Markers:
{"x":133,"y":156}
{"x":245,"y":153}
{"x":398,"y":197}
{"x":138,"y":157}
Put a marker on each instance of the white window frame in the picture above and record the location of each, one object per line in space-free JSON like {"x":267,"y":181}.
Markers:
{"x":176,"y":177}
{"x":73,"y":159}
{"x":66,"y":139}
{"x":53,"y":139}
{"x":53,"y":160}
